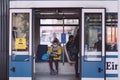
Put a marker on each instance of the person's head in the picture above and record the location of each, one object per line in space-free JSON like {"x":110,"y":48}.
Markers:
{"x":55,"y":43}
{"x":56,"y":39}
{"x":71,"y":38}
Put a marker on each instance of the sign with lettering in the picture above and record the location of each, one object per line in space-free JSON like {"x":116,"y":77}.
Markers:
{"x":20,"y":43}
{"x":112,"y":64}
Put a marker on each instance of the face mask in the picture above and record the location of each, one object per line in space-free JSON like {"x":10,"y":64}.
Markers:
{"x":55,"y":45}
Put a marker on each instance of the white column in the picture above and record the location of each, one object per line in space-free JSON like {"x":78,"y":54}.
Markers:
{"x":119,"y":38}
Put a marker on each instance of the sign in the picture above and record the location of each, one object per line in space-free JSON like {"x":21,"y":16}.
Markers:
{"x":20,"y":43}
{"x":112,"y":65}
{"x":63,"y":38}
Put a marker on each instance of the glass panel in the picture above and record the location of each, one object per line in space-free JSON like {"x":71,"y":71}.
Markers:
{"x":51,"y":21}
{"x":93,"y":36}
{"x":20,"y":35}
{"x":71,"y":21}
{"x":70,"y":30}
{"x":48,"y":33}
{"x":59,"y":21}
{"x":112,"y":32}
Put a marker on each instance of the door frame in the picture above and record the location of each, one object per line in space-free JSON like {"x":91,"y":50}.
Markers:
{"x":80,"y":24}
{"x":16,"y":63}
{"x":103,"y":36}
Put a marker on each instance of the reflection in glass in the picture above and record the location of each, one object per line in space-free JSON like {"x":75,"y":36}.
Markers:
{"x":93,"y":36}
{"x":20,"y":32}
{"x":71,"y":21}
{"x":111,"y":32}
{"x":51,"y":21}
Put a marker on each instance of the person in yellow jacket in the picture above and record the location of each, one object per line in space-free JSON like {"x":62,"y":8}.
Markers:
{"x":55,"y":55}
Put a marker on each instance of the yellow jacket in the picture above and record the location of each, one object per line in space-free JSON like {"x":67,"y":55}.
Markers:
{"x":59,"y":51}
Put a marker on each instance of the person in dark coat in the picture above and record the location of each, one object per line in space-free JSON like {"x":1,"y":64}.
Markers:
{"x":98,"y":44}
{"x":70,"y":46}
{"x":77,"y":44}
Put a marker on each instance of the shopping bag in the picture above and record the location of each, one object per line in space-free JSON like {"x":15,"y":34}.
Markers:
{"x":45,"y":56}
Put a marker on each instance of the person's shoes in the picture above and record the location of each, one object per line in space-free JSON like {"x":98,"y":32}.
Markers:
{"x":77,"y":75}
{"x":52,"y":72}
{"x":56,"y":72}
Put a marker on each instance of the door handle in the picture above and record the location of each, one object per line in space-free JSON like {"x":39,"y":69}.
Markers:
{"x":27,"y":59}
{"x":100,"y":70}
{"x":13,"y":69}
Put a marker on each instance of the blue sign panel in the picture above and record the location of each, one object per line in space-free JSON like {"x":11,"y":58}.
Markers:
{"x":63,"y":38}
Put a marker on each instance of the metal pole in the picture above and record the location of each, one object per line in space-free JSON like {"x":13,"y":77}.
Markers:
{"x":63,"y":42}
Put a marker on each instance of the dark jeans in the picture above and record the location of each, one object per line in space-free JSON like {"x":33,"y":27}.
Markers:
{"x":51,"y":60}
{"x":76,"y":65}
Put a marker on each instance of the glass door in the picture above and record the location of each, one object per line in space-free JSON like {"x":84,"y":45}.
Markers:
{"x":20,"y":49}
{"x":93,"y":44}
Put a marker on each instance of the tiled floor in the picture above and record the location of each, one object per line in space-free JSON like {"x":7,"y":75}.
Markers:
{"x":66,"y":72}
{"x":54,"y":77}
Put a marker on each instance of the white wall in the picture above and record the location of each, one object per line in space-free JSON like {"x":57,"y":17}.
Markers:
{"x":111,"y":6}
{"x":119,"y":35}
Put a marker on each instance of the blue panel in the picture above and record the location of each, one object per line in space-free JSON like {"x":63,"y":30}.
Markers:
{"x":90,"y":68}
{"x":63,"y":38}
{"x":22,"y":68}
{"x":20,"y":57}
{"x":111,"y":75}
{"x":111,"y":56}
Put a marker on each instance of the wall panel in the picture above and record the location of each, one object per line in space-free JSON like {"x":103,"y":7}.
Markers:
{"x":4,"y":38}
